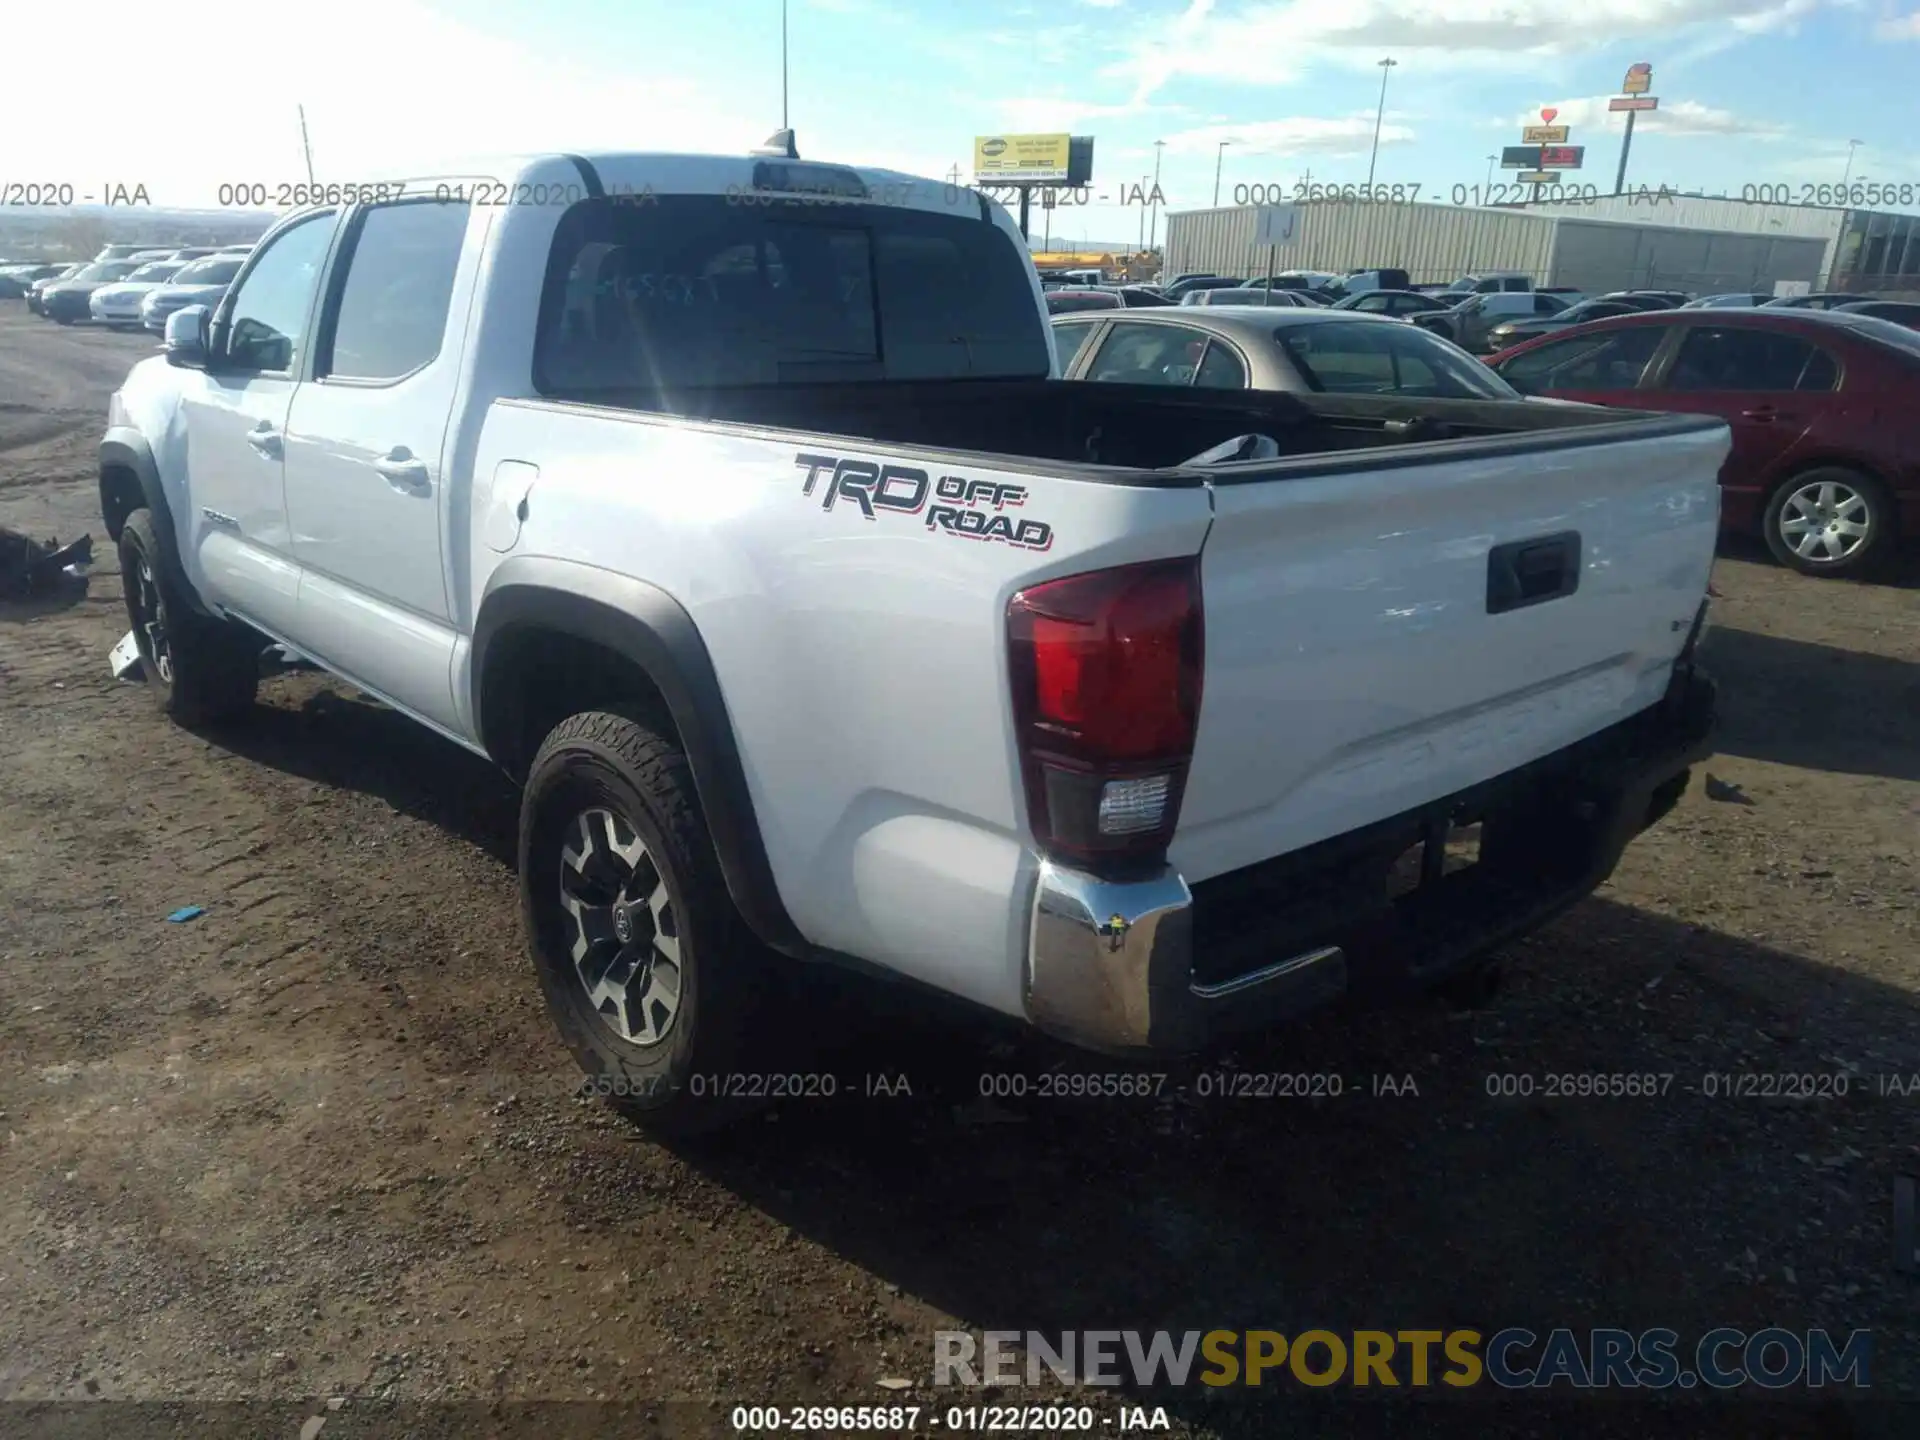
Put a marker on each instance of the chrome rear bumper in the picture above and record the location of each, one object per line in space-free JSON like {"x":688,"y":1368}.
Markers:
{"x":1123,"y":965}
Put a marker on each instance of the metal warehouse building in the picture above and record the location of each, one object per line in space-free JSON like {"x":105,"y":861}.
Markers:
{"x":1876,"y":250}
{"x":1555,"y":245}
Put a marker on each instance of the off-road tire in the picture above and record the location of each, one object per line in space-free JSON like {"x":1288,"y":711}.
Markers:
{"x":205,"y":669}
{"x":1873,"y":499}
{"x":695,"y":1075}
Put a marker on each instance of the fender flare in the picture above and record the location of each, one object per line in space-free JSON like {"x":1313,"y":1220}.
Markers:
{"x":650,"y":628}
{"x":126,"y":448}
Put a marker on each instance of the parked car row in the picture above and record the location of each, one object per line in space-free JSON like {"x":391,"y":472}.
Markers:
{"x":126,"y":287}
{"x":1825,"y":464}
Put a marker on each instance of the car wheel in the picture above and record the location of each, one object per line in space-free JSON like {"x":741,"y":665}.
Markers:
{"x":198,"y":669}
{"x":1829,"y":521}
{"x":649,"y":973}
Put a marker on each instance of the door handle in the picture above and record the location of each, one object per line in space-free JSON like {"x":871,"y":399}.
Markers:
{"x":264,"y":438}
{"x":1760,"y":412}
{"x":403,"y":471}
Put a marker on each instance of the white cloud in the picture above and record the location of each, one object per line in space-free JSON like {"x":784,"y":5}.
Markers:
{"x":389,"y":86}
{"x":1899,"y":27}
{"x":1275,"y":43}
{"x":1343,"y":135}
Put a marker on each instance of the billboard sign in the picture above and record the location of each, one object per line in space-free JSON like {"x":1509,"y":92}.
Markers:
{"x":1634,"y":102}
{"x":1520,"y":157}
{"x":1002,"y":158}
{"x":1639,"y":79}
{"x":1544,"y":134}
{"x":1562,"y":157}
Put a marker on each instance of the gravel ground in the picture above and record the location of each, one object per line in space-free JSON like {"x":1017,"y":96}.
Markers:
{"x":322,"y":1142}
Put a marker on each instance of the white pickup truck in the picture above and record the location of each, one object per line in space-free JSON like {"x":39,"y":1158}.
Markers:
{"x":733,"y":506}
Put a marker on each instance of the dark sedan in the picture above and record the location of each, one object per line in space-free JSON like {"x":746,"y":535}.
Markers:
{"x":1200,"y":282}
{"x":68,"y":300}
{"x":1825,"y":464}
{"x":1819,"y":300}
{"x":1528,"y":327}
{"x":39,"y":287}
{"x":1395,"y":303}
{"x":1305,"y":350}
{"x":1900,"y":312}
{"x":17,"y":280}
{"x":1065,"y":302}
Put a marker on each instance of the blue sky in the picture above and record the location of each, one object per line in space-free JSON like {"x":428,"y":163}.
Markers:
{"x":1751,"y":91}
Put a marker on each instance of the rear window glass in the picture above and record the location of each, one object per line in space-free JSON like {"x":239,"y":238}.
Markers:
{"x":1380,"y":357}
{"x":694,"y":291}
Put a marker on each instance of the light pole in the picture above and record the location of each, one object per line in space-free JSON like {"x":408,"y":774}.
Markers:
{"x":1153,"y":225}
{"x":1219,"y":159}
{"x":1490,"y":160}
{"x":783,"y":64}
{"x":1386,"y":69}
{"x":1852,"y":145}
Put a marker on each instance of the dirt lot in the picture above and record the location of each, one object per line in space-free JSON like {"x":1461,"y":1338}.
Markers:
{"x":321,"y":1142}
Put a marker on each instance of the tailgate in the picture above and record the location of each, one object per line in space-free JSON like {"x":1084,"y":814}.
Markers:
{"x":1365,"y":653}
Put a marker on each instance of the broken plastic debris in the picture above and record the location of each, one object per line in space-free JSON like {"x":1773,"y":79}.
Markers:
{"x":184,"y":914}
{"x":125,"y":658}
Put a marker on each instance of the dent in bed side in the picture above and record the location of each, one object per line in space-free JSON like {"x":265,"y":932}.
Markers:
{"x":649,"y":628}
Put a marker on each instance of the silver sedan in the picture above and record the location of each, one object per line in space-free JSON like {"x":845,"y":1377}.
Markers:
{"x":1254,"y":347}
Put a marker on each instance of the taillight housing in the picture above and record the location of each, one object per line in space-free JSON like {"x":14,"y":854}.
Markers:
{"x":1106,"y":671}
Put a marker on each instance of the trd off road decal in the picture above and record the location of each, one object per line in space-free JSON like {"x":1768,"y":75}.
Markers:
{"x":969,"y":508}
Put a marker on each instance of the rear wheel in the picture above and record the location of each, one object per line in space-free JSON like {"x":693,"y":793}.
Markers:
{"x":651,"y":976}
{"x":198,"y":669}
{"x":1829,"y":521}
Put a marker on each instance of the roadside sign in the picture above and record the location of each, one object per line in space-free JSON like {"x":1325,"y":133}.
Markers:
{"x":1634,"y":102}
{"x":1520,"y":157}
{"x":1275,"y":224}
{"x":1639,"y":79}
{"x":1007,"y":158}
{"x":1544,"y":134}
{"x":1538,"y":177}
{"x":1562,"y":157}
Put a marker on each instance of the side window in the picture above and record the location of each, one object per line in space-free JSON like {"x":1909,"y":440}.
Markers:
{"x":1546,"y":305}
{"x":1137,"y":354}
{"x":1220,"y":369}
{"x":267,"y":322}
{"x":1515,"y":282}
{"x":1610,"y":360}
{"x":392,"y":308}
{"x":1821,"y":373}
{"x":1712,"y":358}
{"x":1068,"y":339}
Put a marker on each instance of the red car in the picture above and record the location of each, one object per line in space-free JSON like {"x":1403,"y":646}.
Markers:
{"x":1824,"y":407}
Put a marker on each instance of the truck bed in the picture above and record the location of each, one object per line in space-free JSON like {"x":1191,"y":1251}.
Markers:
{"x":1144,"y":434}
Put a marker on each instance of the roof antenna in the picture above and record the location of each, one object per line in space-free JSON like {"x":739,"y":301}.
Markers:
{"x":779,"y":145}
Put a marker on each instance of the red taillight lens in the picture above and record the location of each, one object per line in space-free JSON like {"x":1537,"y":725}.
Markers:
{"x":1106,"y":672}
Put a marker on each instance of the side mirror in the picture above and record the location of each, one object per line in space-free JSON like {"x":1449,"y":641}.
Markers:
{"x":185,"y":344}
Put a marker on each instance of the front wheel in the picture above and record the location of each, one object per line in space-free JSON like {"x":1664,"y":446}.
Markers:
{"x":1829,"y":521}
{"x":651,"y":976}
{"x":198,"y":669}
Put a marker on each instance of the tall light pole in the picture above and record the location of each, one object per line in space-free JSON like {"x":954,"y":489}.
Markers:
{"x":1386,"y":69}
{"x":1852,"y":145}
{"x":783,"y":64}
{"x":1219,"y":159}
{"x":1153,"y":225}
{"x":1490,"y":160}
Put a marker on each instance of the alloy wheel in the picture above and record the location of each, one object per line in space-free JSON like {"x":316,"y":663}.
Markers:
{"x":1825,"y":521}
{"x":150,"y":621}
{"x":625,"y":938}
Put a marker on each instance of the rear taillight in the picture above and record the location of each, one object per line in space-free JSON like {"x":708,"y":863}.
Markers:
{"x":1106,"y":696}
